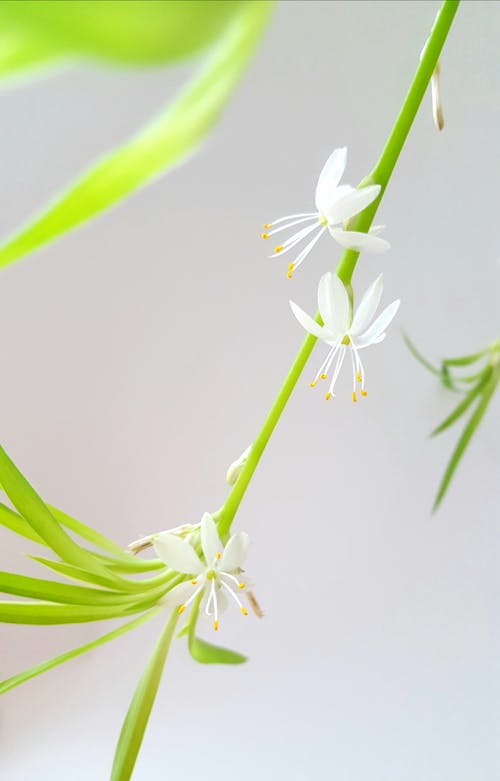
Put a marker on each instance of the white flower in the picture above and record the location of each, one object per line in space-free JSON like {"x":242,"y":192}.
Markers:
{"x":216,"y":575}
{"x":342,"y":331}
{"x":335,"y":205}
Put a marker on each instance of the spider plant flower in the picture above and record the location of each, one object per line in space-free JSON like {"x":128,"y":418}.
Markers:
{"x":216,"y":574}
{"x":335,"y":205}
{"x":344,"y":333}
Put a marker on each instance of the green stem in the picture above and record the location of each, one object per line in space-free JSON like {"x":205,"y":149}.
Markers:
{"x":379,"y":175}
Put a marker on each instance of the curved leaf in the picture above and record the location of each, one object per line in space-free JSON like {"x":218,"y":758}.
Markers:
{"x":206,"y":653}
{"x":15,"y":680}
{"x":464,"y":404}
{"x":465,"y":437}
{"x":159,"y":146}
{"x":137,"y":717}
{"x":136,"y":32}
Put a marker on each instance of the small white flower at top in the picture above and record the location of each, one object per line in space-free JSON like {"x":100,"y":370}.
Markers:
{"x":341,"y":331}
{"x":335,"y":205}
{"x":217,"y":574}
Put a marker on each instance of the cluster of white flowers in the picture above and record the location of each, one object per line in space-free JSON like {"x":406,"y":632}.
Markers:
{"x":336,"y":204}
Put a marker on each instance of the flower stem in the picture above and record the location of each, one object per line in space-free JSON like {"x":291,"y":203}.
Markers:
{"x":380,"y":174}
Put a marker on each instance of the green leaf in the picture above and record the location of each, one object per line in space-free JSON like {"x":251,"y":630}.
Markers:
{"x":136,"y":32}
{"x":52,"y":591}
{"x":18,"y":525}
{"x":464,"y":404}
{"x":162,"y":143}
{"x":88,"y":534}
{"x":134,"y":726}
{"x":22,"y":51}
{"x":41,"y":613}
{"x":204,"y":652}
{"x":465,"y":437}
{"x":15,"y":680}
{"x":36,"y":513}
{"x":419,"y":357}
{"x":75,"y":573}
{"x":466,"y":360}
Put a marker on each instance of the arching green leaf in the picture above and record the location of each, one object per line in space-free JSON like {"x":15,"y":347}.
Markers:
{"x":163,"y":143}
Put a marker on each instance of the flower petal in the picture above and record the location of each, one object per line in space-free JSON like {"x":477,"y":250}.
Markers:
{"x":234,"y":552}
{"x":311,"y":325}
{"x":329,"y":178}
{"x":177,"y":554}
{"x":352,"y":203}
{"x":179,"y":594}
{"x":378,"y":326}
{"x":333,"y":304}
{"x":210,"y":542}
{"x":367,"y":307}
{"x":360,"y":241}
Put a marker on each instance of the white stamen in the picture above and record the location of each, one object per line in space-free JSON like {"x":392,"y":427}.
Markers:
{"x":359,"y":365}
{"x":305,"y":252}
{"x":340,"y":361}
{"x":354,"y":370}
{"x":227,"y":575}
{"x":290,"y":224}
{"x":234,"y":596}
{"x":292,"y":217}
{"x":325,"y":366}
{"x":294,"y":240}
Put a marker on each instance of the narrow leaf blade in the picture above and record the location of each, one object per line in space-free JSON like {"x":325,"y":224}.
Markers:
{"x":465,"y":438}
{"x":26,"y":675}
{"x":137,"y":717}
{"x":464,"y":404}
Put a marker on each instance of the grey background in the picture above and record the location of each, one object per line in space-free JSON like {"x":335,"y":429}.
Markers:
{"x":140,"y":354}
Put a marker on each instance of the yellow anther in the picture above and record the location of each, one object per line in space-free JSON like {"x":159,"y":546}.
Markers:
{"x":328,"y":396}
{"x":181,"y":609}
{"x":243,"y":611}
{"x":267,"y":225}
{"x":278,"y":248}
{"x":264,"y":236}
{"x":291,"y":265}
{"x":289,"y":274}
{"x":322,"y":376}
{"x":217,"y":556}
{"x":194,"y":582}
{"x":241,"y":585}
{"x":354,"y":396}
{"x":364,"y":393}
{"x":358,"y":376}
{"x":312,"y":384}
{"x":216,"y":626}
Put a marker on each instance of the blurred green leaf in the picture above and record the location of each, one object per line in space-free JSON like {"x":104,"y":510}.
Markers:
{"x":136,"y":32}
{"x":464,"y":404}
{"x":465,"y":360}
{"x":137,"y":717}
{"x":419,"y":357}
{"x":466,"y":435}
{"x":15,"y":680}
{"x":163,"y":143}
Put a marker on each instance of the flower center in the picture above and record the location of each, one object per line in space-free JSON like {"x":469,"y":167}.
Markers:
{"x":322,"y":220}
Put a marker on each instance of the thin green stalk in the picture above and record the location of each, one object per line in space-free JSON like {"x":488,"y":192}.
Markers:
{"x":379,"y":175}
